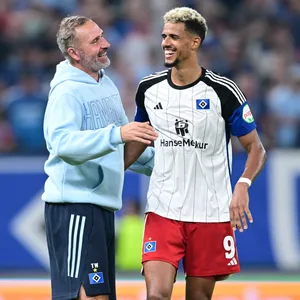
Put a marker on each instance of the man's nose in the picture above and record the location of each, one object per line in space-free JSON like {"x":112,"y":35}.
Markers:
{"x":166,"y":42}
{"x":105,"y":44}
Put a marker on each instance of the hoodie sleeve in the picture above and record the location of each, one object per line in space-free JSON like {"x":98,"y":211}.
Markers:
{"x":64,"y":137}
{"x":145,"y":163}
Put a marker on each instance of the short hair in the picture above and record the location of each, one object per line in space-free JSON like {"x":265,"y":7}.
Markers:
{"x":66,"y":36}
{"x":194,"y":22}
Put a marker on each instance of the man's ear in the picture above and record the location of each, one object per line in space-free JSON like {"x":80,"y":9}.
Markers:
{"x":73,"y":53}
{"x":196,"y":43}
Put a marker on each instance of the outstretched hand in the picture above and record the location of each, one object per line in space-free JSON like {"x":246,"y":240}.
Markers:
{"x":239,"y":207}
{"x":138,"y":132}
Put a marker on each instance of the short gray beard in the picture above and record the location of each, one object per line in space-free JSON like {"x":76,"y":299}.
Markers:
{"x":92,"y":64}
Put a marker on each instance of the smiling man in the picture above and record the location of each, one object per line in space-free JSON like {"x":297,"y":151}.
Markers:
{"x":85,"y":129}
{"x":195,"y":111}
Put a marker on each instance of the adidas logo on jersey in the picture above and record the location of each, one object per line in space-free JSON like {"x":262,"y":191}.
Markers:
{"x":158,"y":106}
{"x":233,"y":262}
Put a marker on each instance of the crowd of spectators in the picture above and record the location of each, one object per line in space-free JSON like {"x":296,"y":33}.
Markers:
{"x":254,"y":42}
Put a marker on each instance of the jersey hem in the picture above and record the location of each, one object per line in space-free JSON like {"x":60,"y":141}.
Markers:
{"x":112,"y":209}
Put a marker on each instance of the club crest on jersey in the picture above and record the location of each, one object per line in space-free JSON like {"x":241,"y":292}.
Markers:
{"x":247,"y":115}
{"x":150,"y":246}
{"x":96,"y":278}
{"x":202,"y":104}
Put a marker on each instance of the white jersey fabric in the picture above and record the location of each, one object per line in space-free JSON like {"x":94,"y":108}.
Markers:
{"x":191,"y":180}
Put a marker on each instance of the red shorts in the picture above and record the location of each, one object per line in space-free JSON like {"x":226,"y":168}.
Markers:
{"x":207,"y":249}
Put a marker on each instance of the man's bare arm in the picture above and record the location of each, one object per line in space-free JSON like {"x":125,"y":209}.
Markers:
{"x":132,"y":152}
{"x":256,"y":154}
{"x":239,"y":205}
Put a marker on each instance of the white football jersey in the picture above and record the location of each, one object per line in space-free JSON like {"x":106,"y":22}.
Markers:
{"x":191,"y":180}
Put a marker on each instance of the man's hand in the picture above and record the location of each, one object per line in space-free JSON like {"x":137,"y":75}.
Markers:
{"x":138,"y":132}
{"x":239,"y":207}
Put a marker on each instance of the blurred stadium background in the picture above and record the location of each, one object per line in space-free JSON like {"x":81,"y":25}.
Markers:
{"x":254,"y":42}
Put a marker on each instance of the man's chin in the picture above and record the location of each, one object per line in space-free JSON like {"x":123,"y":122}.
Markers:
{"x":171,"y":64}
{"x":105,"y":64}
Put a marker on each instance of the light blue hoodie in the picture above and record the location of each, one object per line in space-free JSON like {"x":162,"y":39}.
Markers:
{"x":82,"y":132}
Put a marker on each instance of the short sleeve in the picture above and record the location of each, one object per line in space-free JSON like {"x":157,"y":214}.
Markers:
{"x":241,"y":122}
{"x":141,"y":114}
{"x":235,"y":109}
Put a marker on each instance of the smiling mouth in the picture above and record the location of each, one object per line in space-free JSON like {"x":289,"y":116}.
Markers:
{"x":102,"y":54}
{"x":169,"y":53}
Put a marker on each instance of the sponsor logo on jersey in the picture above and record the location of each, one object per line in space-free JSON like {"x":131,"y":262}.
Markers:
{"x":150,"y":246}
{"x":183,"y":143}
{"x":181,"y":127}
{"x":247,"y":115}
{"x":202,"y":104}
{"x":96,"y":278}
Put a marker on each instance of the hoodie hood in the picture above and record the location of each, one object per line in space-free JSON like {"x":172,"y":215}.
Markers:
{"x":65,"y":71}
